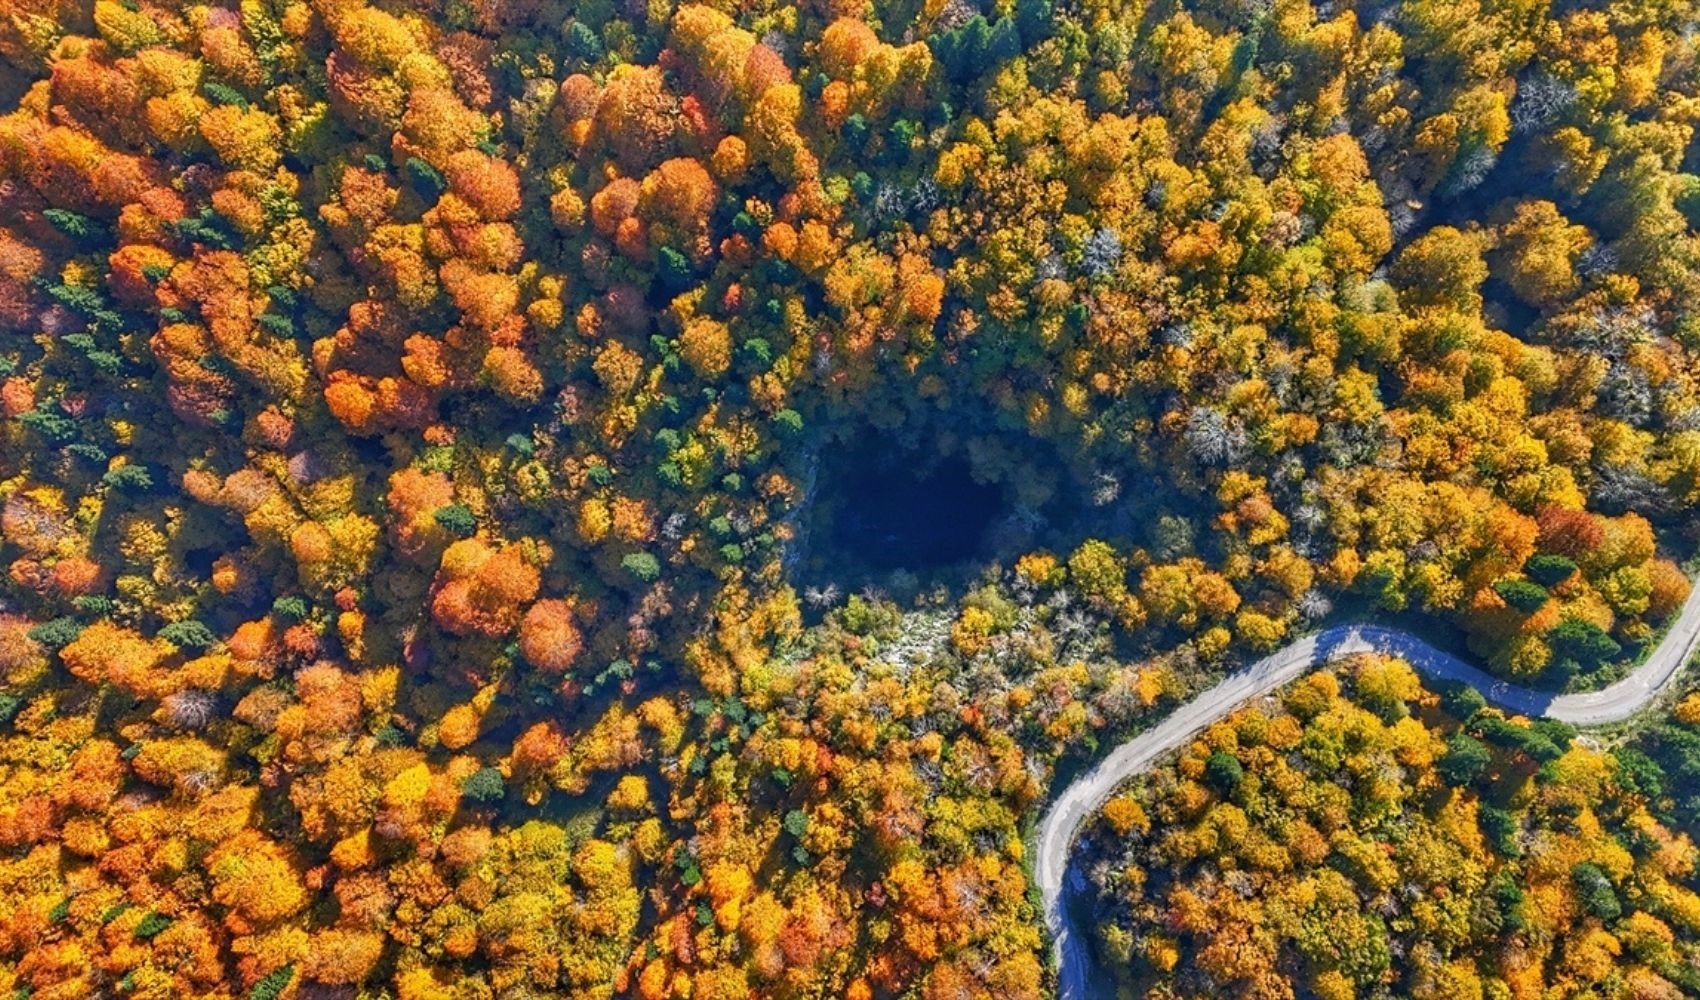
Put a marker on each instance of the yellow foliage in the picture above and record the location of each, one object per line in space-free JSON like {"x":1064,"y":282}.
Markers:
{"x":254,"y":878}
{"x":244,"y":139}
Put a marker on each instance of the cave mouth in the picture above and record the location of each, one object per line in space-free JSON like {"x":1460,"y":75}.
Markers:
{"x":905,"y":510}
{"x":915,"y":513}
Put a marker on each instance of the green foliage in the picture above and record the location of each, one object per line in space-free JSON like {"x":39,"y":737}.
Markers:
{"x":218,"y":93}
{"x":1508,"y":899}
{"x":56,"y":634}
{"x":976,"y":47}
{"x":129,"y":479}
{"x":582,"y":41}
{"x":484,"y":786}
{"x":209,"y":229}
{"x":272,"y":984}
{"x":1521,"y":594}
{"x":1461,"y":701}
{"x":277,"y":325}
{"x":151,"y":925}
{"x":1224,"y":772}
{"x":1549,"y":570}
{"x":672,"y":270}
{"x":424,"y":178}
{"x":686,"y":864}
{"x":1465,"y":760}
{"x":290,"y":607}
{"x":641,"y":566}
{"x":55,"y":428}
{"x":1640,"y":773}
{"x":77,"y":227}
{"x":1582,"y":642}
{"x":1595,"y":887}
{"x":189,"y":634}
{"x":1542,"y":741}
{"x":457,"y":519}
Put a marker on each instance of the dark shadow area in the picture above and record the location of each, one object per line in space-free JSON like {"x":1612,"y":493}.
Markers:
{"x":919,"y":512}
{"x":898,"y":510}
{"x":911,"y":512}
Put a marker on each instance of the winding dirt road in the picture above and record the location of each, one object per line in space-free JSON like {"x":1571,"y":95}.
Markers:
{"x":1087,"y":793}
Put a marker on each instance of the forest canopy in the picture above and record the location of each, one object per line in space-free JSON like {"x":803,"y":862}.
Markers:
{"x":424,"y":429}
{"x":1367,"y":834}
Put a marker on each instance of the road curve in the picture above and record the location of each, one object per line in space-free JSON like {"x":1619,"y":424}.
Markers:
{"x":1080,"y":799}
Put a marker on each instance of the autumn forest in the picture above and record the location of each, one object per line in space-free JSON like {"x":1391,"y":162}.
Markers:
{"x":626,"y":498}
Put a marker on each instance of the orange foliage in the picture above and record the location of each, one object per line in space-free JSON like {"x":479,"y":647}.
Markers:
{"x":548,"y":638}
{"x":480,"y":591}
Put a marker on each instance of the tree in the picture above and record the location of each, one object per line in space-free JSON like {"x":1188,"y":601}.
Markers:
{"x":1224,"y":772}
{"x":548,"y":638}
{"x":484,"y":786}
{"x":636,"y":117}
{"x":1097,"y":571}
{"x":1595,"y":890}
{"x":1539,"y":249}
{"x":456,"y":519}
{"x":1549,"y":570}
{"x":1465,"y":760}
{"x":480,"y":591}
{"x":1443,"y":267}
{"x":642,"y":566}
{"x":1523,"y":595}
{"x":1583,"y":643}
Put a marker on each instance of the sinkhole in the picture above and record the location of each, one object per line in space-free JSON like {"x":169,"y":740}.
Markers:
{"x":900,"y":510}
{"x":913,"y":510}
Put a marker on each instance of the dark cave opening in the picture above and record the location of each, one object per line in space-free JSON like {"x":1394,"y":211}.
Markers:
{"x":898,"y":509}
{"x":920,"y":512}
{"x":916,"y":513}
